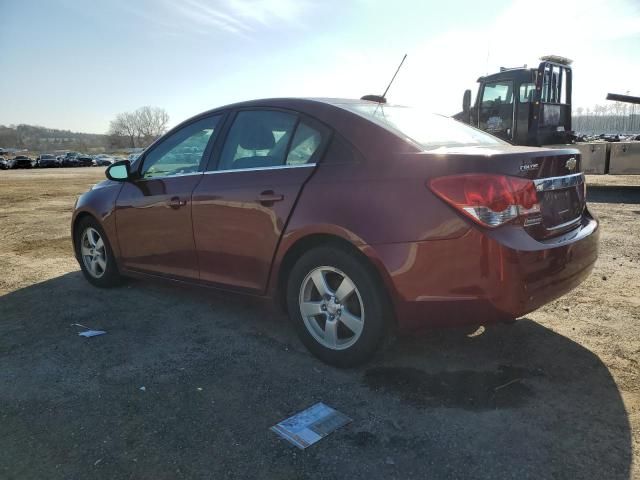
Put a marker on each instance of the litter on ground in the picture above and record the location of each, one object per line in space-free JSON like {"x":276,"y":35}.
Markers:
{"x":91,"y":333}
{"x":307,"y":427}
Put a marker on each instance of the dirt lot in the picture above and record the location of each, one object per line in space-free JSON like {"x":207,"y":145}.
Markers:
{"x":219,"y":370}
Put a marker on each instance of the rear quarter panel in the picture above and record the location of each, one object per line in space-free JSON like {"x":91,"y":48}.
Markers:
{"x":386,"y":204}
{"x":369,"y":203}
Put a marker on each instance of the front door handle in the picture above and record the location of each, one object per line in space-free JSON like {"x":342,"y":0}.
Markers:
{"x":176,"y":203}
{"x":268,"y":198}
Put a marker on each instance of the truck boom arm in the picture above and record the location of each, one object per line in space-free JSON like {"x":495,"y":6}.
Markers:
{"x":623,"y":98}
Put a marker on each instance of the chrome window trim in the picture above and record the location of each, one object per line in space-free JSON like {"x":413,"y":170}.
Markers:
{"x":558,"y":183}
{"x":171,"y":176}
{"x":275,"y":167}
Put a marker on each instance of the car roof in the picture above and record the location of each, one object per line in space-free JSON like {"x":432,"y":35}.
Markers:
{"x":327,"y":110}
{"x":333,"y":112}
{"x":298,"y":101}
{"x":310,"y":105}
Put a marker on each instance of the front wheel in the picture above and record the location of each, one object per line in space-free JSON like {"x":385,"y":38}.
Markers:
{"x":338,"y":306}
{"x":95,"y":255}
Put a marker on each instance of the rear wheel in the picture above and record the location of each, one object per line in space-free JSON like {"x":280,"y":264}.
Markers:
{"x":338,"y":306}
{"x":95,"y":255}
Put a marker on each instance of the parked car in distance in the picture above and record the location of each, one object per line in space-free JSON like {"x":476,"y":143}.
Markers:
{"x":70,"y":162}
{"x":70,"y":159}
{"x":359,"y":217}
{"x":102,"y":160}
{"x":22,"y":161}
{"x":84,"y":161}
{"x":5,"y":164}
{"x":46,"y":161}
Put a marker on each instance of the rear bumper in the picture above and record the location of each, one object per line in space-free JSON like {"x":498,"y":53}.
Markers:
{"x":484,"y":276}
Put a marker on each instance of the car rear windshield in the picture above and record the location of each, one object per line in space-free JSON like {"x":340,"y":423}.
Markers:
{"x":425,"y":128}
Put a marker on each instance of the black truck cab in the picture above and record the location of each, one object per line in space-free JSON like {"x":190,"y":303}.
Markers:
{"x":524,"y":106}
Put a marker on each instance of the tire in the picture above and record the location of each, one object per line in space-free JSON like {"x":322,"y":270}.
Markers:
{"x":323,"y":328}
{"x":105,"y":274}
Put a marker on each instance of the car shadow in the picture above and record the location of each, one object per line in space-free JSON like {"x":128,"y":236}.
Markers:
{"x":504,"y":401}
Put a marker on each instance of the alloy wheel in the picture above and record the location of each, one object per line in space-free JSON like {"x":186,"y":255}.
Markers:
{"x":93,"y":251}
{"x":331,"y":307}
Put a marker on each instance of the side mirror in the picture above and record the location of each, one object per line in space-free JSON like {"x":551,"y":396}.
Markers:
{"x":119,"y":171}
{"x":466,"y":106}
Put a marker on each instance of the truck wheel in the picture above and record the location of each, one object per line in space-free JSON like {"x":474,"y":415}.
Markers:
{"x":95,"y":255}
{"x":338,"y":307}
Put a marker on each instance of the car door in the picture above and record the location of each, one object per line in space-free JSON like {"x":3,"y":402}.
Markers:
{"x":495,"y":114}
{"x":153,"y":211}
{"x":244,"y":200}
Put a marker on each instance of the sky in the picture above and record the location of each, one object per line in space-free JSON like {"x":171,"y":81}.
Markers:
{"x":74,"y":64}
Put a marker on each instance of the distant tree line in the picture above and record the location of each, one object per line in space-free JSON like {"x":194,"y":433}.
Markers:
{"x":617,"y":117}
{"x":138,"y":128}
{"x":128,"y":130}
{"x":41,"y":139}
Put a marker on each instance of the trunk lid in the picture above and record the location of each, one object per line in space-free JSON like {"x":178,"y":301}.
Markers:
{"x":556,"y":174}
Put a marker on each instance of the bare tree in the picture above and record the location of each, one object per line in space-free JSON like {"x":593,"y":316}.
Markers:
{"x":611,"y":118}
{"x":151,"y":122}
{"x":125,"y":125}
{"x":140,"y":127}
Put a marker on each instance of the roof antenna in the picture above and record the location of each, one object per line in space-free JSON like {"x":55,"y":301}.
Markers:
{"x":382,"y":98}
{"x":384,"y":95}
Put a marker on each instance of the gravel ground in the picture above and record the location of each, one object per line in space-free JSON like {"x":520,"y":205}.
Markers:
{"x":556,"y":395}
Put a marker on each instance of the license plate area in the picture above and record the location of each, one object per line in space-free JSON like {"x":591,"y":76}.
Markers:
{"x":560,"y":207}
{"x":562,"y":202}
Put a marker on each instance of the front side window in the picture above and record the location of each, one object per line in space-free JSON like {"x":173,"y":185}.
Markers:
{"x":257,"y":139}
{"x":497,"y":93}
{"x":181,"y":152}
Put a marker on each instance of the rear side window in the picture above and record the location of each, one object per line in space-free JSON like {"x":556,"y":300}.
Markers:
{"x":306,"y":144}
{"x":257,"y":139}
{"x":526,"y":92}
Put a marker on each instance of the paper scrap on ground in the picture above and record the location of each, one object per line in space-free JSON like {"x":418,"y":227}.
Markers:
{"x":92,"y":333}
{"x":307,"y":427}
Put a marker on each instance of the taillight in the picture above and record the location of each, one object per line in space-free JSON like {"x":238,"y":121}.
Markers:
{"x":490,"y":200}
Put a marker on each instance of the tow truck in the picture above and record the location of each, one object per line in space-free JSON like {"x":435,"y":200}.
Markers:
{"x":532,"y":106}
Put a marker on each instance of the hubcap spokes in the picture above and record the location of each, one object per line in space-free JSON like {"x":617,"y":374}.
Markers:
{"x":332,"y":308}
{"x":93,"y":252}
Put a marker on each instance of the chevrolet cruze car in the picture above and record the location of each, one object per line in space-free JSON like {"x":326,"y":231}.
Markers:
{"x":358,"y":216}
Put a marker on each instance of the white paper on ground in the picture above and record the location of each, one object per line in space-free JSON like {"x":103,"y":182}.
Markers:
{"x":307,"y":427}
{"x":92,"y":333}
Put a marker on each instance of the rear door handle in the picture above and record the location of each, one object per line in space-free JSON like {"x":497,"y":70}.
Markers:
{"x":176,"y":203}
{"x":268,"y":198}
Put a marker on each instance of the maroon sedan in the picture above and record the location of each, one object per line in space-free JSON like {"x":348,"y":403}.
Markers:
{"x":359,"y":216}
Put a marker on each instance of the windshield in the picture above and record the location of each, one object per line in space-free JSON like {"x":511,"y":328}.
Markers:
{"x":425,"y":128}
